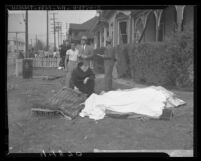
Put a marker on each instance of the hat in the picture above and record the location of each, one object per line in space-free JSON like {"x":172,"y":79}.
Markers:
{"x":84,"y":38}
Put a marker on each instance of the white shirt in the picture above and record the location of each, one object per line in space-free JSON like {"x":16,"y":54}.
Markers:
{"x":73,"y":55}
{"x":84,"y":46}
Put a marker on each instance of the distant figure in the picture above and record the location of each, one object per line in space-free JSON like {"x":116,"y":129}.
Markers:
{"x":66,"y":46}
{"x":71,"y":61}
{"x":83,"y":79}
{"x":20,"y":55}
{"x":86,"y":52}
{"x":54,"y":54}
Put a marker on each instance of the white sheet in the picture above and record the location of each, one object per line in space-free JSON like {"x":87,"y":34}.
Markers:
{"x":149,"y":101}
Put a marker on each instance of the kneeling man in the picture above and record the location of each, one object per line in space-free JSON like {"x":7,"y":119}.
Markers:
{"x":83,"y":79}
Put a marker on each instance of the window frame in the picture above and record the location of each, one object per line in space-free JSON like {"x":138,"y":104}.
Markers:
{"x":120,"y":21}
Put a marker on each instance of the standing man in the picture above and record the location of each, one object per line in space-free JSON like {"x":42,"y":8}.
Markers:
{"x":66,"y":46}
{"x":86,"y":52}
{"x":71,"y":61}
{"x":109,"y":61}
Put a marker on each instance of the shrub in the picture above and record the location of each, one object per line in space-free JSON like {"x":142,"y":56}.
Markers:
{"x":168,"y":63}
{"x":163,"y":63}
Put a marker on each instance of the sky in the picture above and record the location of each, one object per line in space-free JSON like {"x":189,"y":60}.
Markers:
{"x":37,"y":22}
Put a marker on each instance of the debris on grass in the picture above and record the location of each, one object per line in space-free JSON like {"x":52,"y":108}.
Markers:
{"x":66,"y":102}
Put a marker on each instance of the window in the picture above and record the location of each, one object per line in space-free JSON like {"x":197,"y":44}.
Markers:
{"x":123,"y":35}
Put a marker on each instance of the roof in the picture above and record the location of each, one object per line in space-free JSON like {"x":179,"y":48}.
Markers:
{"x":88,"y":34}
{"x":84,"y":26}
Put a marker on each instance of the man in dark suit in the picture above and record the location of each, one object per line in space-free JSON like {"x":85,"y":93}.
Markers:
{"x":86,"y":52}
{"x":66,"y":46}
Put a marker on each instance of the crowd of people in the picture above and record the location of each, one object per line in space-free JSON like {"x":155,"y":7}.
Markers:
{"x":77,"y":61}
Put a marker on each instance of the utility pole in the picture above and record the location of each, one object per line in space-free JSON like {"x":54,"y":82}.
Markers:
{"x":17,"y":43}
{"x":31,"y":43}
{"x":54,"y":32}
{"x":66,"y":30}
{"x":61,"y":33}
{"x":58,"y":34}
{"x":58,"y":27}
{"x":27,"y":40}
{"x":36,"y":43}
{"x":54,"y":28}
{"x":47,"y":31}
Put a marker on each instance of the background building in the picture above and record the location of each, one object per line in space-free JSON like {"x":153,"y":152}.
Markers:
{"x":129,"y":26}
{"x":76,"y":31}
{"x":15,"y":44}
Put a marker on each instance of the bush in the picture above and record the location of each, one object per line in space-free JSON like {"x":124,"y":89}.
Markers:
{"x":167,"y":63}
{"x":183,"y":62}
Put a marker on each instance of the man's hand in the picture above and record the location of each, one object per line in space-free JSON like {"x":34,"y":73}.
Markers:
{"x":85,"y":80}
{"x":76,"y":90}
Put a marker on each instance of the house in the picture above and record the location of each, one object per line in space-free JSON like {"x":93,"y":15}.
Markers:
{"x":141,"y":25}
{"x":15,"y":44}
{"x":76,"y":31}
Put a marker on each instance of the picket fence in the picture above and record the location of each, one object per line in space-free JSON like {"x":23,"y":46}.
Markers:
{"x":46,"y":62}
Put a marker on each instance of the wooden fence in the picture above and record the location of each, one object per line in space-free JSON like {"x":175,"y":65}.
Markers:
{"x":46,"y":62}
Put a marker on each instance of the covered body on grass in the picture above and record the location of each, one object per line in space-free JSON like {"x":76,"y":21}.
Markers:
{"x":148,"y":101}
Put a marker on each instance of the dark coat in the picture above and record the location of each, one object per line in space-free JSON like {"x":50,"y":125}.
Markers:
{"x":64,"y":48}
{"x":78,"y":77}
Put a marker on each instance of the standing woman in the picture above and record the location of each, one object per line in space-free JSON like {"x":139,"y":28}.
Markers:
{"x":71,"y":61}
{"x":109,"y":62}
